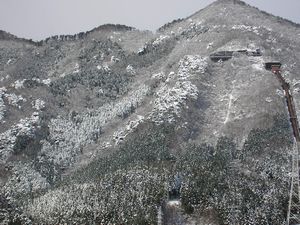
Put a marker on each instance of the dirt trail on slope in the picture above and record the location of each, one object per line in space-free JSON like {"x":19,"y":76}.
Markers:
{"x":174,"y":215}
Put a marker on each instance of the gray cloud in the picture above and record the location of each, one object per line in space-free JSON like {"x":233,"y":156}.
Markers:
{"x":38,"y":19}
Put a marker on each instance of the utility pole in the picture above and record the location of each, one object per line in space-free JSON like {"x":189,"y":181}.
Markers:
{"x":293,"y":216}
{"x":293,"y":213}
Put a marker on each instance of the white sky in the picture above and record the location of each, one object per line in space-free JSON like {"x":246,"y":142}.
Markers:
{"x":38,"y":19}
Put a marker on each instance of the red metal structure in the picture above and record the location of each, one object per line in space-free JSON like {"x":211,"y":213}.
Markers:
{"x":275,"y":67}
{"x":293,"y":212}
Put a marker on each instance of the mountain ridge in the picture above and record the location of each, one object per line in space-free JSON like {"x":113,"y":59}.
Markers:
{"x":5,"y":35}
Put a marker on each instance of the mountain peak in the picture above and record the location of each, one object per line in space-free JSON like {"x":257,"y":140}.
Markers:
{"x":233,"y":1}
{"x":231,"y":12}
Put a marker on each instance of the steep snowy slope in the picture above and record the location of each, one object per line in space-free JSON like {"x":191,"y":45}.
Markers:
{"x":96,"y":126}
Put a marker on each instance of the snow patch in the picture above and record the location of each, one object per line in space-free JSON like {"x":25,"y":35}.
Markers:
{"x":38,"y":104}
{"x":295,"y":82}
{"x":105,"y":68}
{"x":190,"y":64}
{"x":229,"y":108}
{"x":296,"y":90}
{"x":258,"y":63}
{"x":76,"y":68}
{"x":174,"y":203}
{"x":171,"y":99}
{"x":160,"y":40}
{"x":170,"y":76}
{"x":18,"y":84}
{"x":209,"y":45}
{"x":114,"y":59}
{"x":246,"y":28}
{"x":258,"y":66}
{"x":268,"y":99}
{"x":9,"y":62}
{"x":14,"y":99}
{"x":158,"y":76}
{"x":25,"y":127}
{"x":130,"y":69}
{"x":4,"y":77}
{"x":46,"y":81}
{"x":141,"y":50}
{"x":121,"y":134}
{"x":280,"y":93}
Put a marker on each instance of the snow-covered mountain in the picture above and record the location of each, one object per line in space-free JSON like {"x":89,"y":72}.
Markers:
{"x":95,"y":128}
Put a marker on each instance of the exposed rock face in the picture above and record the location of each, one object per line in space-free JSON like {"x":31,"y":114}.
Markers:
{"x":95,"y":126}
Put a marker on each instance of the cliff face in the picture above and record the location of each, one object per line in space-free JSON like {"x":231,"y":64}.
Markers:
{"x":96,"y":126}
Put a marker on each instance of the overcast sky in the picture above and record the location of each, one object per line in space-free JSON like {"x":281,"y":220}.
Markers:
{"x":38,"y":19}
